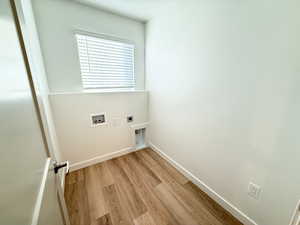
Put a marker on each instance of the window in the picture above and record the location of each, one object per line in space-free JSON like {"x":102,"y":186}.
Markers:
{"x":105,"y":63}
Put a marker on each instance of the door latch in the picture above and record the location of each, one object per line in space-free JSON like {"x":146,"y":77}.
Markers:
{"x":58,"y":166}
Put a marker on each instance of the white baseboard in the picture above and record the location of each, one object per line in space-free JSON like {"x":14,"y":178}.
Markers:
{"x":214,"y":195}
{"x":141,"y":147}
{"x":100,"y":158}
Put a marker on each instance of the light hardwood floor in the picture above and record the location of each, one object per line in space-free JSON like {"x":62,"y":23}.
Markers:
{"x":140,"y":188}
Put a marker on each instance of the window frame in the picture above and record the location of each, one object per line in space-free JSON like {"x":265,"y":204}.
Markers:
{"x":110,"y":38}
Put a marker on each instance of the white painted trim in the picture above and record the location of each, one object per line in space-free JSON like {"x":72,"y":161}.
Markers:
{"x":63,"y":178}
{"x":100,"y":158}
{"x":98,"y":91}
{"x":141,"y":147}
{"x":102,"y":36}
{"x":39,"y":200}
{"x":214,"y":195}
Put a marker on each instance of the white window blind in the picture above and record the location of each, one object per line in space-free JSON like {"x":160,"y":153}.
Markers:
{"x":105,"y":63}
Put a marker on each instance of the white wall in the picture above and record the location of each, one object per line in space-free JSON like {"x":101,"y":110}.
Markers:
{"x":223,"y":78}
{"x":71,"y":107}
{"x":57,"y":21}
{"x":79,"y":140}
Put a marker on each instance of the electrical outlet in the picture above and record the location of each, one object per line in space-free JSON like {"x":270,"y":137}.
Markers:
{"x":129,"y":119}
{"x":254,"y":190}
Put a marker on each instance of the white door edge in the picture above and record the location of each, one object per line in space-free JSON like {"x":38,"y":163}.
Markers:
{"x":38,"y":203}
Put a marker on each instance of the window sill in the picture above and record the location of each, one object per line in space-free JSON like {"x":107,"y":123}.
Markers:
{"x":98,"y":91}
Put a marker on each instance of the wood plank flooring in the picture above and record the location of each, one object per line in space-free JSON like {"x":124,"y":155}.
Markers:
{"x":140,"y":188}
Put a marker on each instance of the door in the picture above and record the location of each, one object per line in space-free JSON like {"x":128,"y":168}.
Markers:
{"x":296,"y":215}
{"x":29,"y":193}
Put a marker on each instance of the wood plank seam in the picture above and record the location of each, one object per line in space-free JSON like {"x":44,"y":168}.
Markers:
{"x":140,"y":188}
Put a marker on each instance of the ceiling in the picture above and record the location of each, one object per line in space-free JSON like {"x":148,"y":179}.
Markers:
{"x":142,"y":10}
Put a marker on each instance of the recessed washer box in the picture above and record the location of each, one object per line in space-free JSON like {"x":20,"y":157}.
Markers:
{"x":139,"y":139}
{"x":98,"y":119}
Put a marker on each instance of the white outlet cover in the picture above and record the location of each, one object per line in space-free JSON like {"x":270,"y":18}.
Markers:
{"x":254,"y":190}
